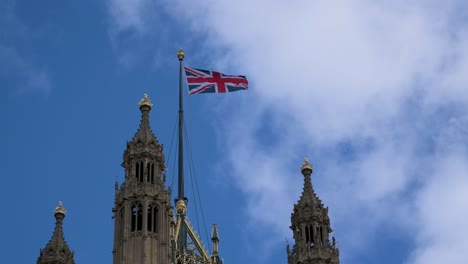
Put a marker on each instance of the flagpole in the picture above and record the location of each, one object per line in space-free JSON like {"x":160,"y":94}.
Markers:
{"x":181,"y":206}
{"x":181,"y":55}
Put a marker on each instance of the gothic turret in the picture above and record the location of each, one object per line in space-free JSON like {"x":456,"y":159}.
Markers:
{"x":142,"y":211}
{"x":311,"y":227}
{"x":57,"y":250}
{"x":215,"y":239}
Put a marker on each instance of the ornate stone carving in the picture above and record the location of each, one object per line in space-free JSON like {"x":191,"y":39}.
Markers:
{"x":57,"y":250}
{"x":145,"y":186}
{"x":311,"y":227}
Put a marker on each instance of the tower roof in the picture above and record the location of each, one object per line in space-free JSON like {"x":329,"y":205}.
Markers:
{"x":144,"y":142}
{"x":214,"y":233}
{"x":308,"y":196}
{"x":309,"y":207}
{"x":57,"y":250}
{"x":144,"y":133}
{"x":311,"y":227}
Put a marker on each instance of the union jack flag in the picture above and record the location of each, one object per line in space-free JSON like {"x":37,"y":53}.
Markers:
{"x":203,"y":81}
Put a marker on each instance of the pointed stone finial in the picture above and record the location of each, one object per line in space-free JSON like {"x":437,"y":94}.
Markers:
{"x":57,"y":250}
{"x":60,"y":209}
{"x":215,"y":240}
{"x":306,"y":165}
{"x":214,"y":233}
{"x":116,"y":185}
{"x":180,"y":55}
{"x":145,"y":101}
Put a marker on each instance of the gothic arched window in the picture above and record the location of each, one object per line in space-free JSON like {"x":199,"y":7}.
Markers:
{"x":152,"y":172}
{"x":137,"y":217}
{"x":139,"y":171}
{"x":322,"y":240}
{"x":148,"y":172}
{"x":152,"y":218}
{"x":309,"y":235}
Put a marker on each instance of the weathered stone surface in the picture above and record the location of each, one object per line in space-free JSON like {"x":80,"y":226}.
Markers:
{"x":311,"y":227}
{"x":142,"y":209}
{"x":57,"y":250}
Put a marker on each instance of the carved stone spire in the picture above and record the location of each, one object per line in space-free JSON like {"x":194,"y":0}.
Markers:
{"x":144,"y":133}
{"x":144,"y":144}
{"x":215,"y":259}
{"x":142,"y":206}
{"x":311,"y":227}
{"x":309,"y":198}
{"x":57,"y":250}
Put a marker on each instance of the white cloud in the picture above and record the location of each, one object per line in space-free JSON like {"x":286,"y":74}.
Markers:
{"x":343,"y":72}
{"x":442,"y":211}
{"x":386,"y":80}
{"x":134,"y":29}
{"x":130,"y":15}
{"x":27,"y":77}
{"x":24,"y":75}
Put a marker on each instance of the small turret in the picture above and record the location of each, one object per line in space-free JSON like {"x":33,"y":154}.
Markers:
{"x":215,"y":239}
{"x":142,"y":208}
{"x":57,"y":250}
{"x":311,"y":227}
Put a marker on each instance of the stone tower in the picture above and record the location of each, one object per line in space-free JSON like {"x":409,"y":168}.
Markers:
{"x":57,"y":251}
{"x":311,"y":227}
{"x":142,"y":211}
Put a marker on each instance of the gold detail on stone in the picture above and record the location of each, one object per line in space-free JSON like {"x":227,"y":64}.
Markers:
{"x":197,"y":241}
{"x":145,"y":101}
{"x":306,"y":165}
{"x":60,"y":209}
{"x":180,"y":54}
{"x":181,"y":208}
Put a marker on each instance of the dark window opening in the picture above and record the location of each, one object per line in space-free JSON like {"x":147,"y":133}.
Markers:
{"x":140,"y":176}
{"x":137,"y":169}
{"x":152,"y":172}
{"x":148,"y":171}
{"x":137,"y":217}
{"x":318,"y":233}
{"x":309,"y":235}
{"x":321,"y":234}
{"x":152,"y":217}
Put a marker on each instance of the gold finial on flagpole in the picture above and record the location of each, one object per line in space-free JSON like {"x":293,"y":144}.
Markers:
{"x":180,"y":55}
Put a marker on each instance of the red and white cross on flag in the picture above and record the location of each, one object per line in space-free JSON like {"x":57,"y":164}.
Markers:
{"x":204,"y":81}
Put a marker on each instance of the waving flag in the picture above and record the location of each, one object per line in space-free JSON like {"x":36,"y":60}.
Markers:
{"x":203,"y":81}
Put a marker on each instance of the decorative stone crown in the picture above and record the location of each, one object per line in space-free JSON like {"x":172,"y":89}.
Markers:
{"x":145,"y":101}
{"x":60,"y":209}
{"x":306,"y":165}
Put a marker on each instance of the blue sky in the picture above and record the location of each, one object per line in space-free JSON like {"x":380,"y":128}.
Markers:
{"x":373,"y":92}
